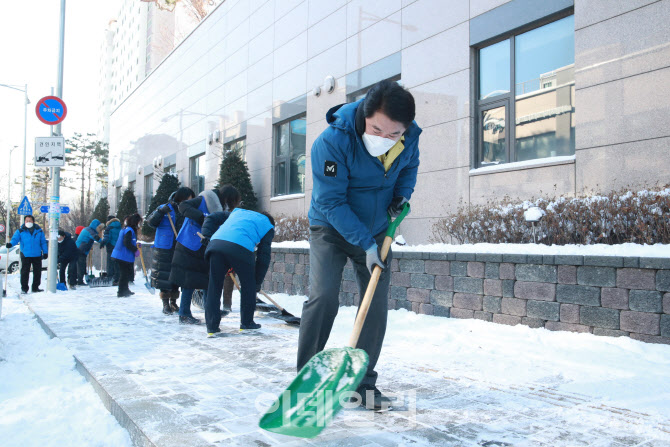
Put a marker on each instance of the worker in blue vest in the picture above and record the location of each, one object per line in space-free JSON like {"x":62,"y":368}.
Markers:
{"x":34,"y":249}
{"x":232,"y":246}
{"x":167,"y":220}
{"x":189,"y":270}
{"x":125,"y":252}
{"x":109,"y":238}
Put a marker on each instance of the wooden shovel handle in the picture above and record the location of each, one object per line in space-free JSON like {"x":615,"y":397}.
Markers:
{"x":172,"y":225}
{"x":144,"y":270}
{"x":367,"y":299}
{"x":237,"y":285}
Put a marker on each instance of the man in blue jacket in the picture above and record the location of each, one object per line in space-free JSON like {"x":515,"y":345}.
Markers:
{"x":85,"y":241}
{"x":364,"y":166}
{"x":109,"y":238}
{"x":33,"y":249}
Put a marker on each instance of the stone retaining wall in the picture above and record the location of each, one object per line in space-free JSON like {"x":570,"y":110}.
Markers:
{"x":603,"y":295}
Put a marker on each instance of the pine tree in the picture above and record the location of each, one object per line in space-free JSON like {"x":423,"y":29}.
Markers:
{"x":128,"y":205}
{"x":234,"y":171}
{"x":168,"y":184}
{"x":101,"y":210}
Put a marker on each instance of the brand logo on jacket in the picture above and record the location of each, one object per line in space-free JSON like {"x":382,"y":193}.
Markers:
{"x":330,"y":169}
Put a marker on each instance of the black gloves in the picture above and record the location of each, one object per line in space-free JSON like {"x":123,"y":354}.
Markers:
{"x":8,"y":245}
{"x":396,"y":206}
{"x":373,"y":257}
{"x":164,"y":209}
{"x":45,"y":255}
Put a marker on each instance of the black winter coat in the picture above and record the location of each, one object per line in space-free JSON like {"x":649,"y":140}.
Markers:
{"x":67,"y":250}
{"x":162,"y":258}
{"x":189,"y":268}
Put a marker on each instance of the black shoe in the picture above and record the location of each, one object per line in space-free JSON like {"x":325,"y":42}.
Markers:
{"x":373,"y":399}
{"x":38,"y":290}
{"x":188,"y":320}
{"x":213,"y":332}
{"x":224,"y":312}
{"x":250,"y":326}
{"x":73,"y":287}
{"x":132,"y":293}
{"x":124,"y":294}
{"x":167,"y":310}
{"x":24,"y":292}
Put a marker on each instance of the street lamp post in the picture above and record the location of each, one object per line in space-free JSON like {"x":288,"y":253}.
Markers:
{"x":25,"y":125}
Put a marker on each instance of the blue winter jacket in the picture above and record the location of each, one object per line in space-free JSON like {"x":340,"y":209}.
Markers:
{"x":245,"y":228}
{"x":87,"y":236}
{"x":112,"y":230}
{"x":351,"y":189}
{"x":33,"y":244}
{"x":121,"y":251}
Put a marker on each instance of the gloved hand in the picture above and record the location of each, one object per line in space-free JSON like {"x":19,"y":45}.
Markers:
{"x":8,"y":245}
{"x":45,"y":256}
{"x":396,"y":206}
{"x":373,"y":257}
{"x":164,"y":209}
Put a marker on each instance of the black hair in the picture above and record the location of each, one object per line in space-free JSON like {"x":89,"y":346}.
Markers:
{"x":269,"y":216}
{"x":61,"y":232}
{"x":110,"y":217}
{"x":183,"y":193}
{"x":27,"y":216}
{"x":392,"y":100}
{"x":133,"y":221}
{"x":229,"y":196}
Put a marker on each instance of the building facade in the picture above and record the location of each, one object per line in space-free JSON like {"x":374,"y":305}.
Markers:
{"x":516,"y":98}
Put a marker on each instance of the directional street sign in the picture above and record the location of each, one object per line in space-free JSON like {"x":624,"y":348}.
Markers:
{"x":64,"y":209}
{"x":51,"y":110}
{"x":49,"y":151}
{"x":24,"y":208}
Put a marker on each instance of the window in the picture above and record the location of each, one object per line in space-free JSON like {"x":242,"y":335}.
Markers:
{"x":289,"y":157}
{"x":525,"y":97}
{"x":148,"y":191}
{"x":118,"y":197}
{"x":198,"y":174}
{"x":240,"y":146}
{"x":172,"y":169}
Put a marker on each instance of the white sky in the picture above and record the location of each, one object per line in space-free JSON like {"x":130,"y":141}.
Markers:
{"x":29,"y":54}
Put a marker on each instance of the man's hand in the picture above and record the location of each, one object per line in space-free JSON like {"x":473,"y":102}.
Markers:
{"x":45,"y":255}
{"x":373,"y":257}
{"x":8,"y":245}
{"x":164,"y":209}
{"x":396,"y":206}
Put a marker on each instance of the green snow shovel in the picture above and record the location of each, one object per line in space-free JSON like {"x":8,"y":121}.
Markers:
{"x":328,"y":379}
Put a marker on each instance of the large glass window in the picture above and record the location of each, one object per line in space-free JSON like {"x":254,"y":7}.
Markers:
{"x":148,"y":191}
{"x":198,"y":173}
{"x":239,"y":146}
{"x":289,"y":157}
{"x":526,"y":93}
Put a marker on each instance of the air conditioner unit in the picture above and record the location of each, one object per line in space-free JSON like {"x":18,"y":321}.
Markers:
{"x":158,"y":162}
{"x":210,"y":138}
{"x":217,"y":136}
{"x":139,"y":170}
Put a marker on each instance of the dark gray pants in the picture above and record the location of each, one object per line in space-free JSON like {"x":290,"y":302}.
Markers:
{"x":328,"y":253}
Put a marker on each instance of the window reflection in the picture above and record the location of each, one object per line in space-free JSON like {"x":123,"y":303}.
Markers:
{"x":290,"y":157}
{"x":494,"y":149}
{"x":198,"y":174}
{"x":494,"y":69}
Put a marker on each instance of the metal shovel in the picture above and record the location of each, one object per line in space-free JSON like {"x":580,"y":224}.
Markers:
{"x":311,"y":401}
{"x":147,"y":284}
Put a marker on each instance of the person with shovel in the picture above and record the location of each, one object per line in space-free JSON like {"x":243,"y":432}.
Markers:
{"x":109,"y":238}
{"x":232,"y":245}
{"x":364,"y":168}
{"x":67,"y":253}
{"x":34,"y":249}
{"x":125,"y":252}
{"x":85,"y":241}
{"x":167,"y":220}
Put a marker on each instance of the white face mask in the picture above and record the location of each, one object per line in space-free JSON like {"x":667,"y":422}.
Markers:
{"x":376,"y":145}
{"x":29,"y":224}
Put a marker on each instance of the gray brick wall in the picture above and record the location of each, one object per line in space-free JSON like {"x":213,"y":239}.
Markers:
{"x":606,"y":296}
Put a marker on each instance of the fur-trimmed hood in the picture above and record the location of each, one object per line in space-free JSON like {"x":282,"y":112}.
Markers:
{"x":113,"y":220}
{"x":212,"y":200}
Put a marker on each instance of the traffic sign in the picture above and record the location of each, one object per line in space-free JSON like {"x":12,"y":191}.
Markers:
{"x":51,"y":110}
{"x":2,"y":228}
{"x":24,"y":208}
{"x":49,"y":151}
{"x":64,"y":209}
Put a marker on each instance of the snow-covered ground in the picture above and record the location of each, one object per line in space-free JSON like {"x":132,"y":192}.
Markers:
{"x":476,"y":383}
{"x":44,"y":401}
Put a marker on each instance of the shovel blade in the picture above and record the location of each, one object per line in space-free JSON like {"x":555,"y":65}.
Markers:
{"x":322,"y":386}
{"x":151,"y":289}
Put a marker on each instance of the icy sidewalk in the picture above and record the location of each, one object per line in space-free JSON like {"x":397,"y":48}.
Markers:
{"x":459,"y":382}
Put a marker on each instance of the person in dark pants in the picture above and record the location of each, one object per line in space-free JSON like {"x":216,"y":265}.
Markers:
{"x":85,"y":241}
{"x":67,"y":253}
{"x":109,"y":238}
{"x":364,"y":166}
{"x":34,"y":249}
{"x":189,"y":270}
{"x":125,"y":252}
{"x":164,"y":245}
{"x":232,"y":246}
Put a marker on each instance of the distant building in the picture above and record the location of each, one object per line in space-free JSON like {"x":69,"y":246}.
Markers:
{"x":516,"y":98}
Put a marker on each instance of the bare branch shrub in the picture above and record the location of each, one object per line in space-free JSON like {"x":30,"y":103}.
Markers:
{"x":291,"y":228}
{"x":615,"y":218}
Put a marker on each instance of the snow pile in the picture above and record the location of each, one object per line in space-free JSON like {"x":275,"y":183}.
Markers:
{"x":44,"y":401}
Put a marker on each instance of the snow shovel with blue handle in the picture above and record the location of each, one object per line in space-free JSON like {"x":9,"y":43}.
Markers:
{"x":330,"y":377}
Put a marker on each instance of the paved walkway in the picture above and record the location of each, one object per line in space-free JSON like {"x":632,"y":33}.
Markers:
{"x":171,"y":386}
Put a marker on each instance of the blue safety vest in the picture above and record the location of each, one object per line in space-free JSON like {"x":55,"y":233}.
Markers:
{"x":164,"y":234}
{"x":188,"y":234}
{"x":243,"y":227}
{"x":121,"y":252}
